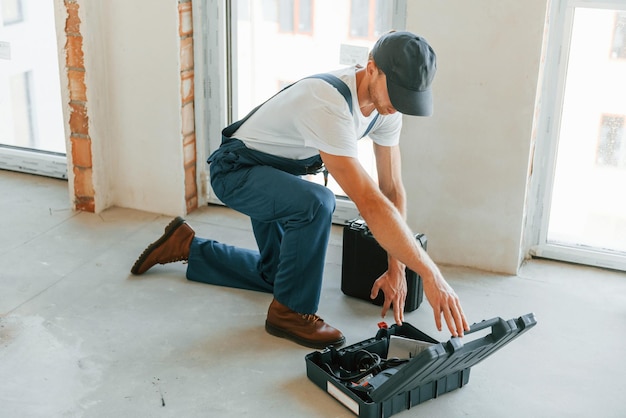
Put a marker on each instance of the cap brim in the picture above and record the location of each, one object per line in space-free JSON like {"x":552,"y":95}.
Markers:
{"x":410,"y":102}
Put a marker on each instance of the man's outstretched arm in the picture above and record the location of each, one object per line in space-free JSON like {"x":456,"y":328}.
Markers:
{"x":392,"y":233}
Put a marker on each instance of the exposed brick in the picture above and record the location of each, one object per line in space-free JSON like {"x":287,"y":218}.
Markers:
{"x":185,"y":25}
{"x":85,"y":203}
{"x":83,"y":182}
{"x":72,"y":24}
{"x":79,"y":121}
{"x":188,"y":139}
{"x":81,"y":152}
{"x":188,"y":120}
{"x":78,"y":89}
{"x":74,"y":51}
{"x":189,"y":150}
{"x":190,"y":182}
{"x":192,"y":204}
{"x":186,"y":54}
{"x":84,"y":192}
{"x":187,"y":86}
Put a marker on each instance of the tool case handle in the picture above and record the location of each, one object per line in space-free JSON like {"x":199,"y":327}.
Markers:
{"x":501,"y":332}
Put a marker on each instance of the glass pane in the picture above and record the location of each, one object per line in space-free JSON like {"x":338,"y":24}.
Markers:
{"x":30,"y":96}
{"x":359,"y":18}
{"x":589,"y":195}
{"x":281,"y":41}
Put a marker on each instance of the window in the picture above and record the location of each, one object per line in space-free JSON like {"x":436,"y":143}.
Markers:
{"x":370,"y":18}
{"x":295,"y":16}
{"x":32,"y":133}
{"x":22,"y":105}
{"x":265,"y":56}
{"x":611,"y":144}
{"x":618,"y":47}
{"x":12,"y":12}
{"x":581,"y":141}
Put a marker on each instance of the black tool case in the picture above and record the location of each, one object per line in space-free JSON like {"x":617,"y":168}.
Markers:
{"x":364,"y":261}
{"x":438,"y":369}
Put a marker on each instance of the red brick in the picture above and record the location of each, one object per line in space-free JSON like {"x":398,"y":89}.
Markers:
{"x":185,"y":19}
{"x":188,"y":119}
{"x":85,"y":203}
{"x":79,"y":121}
{"x":189,"y":151}
{"x":72,"y":23}
{"x":187,"y":86}
{"x":190,"y":182}
{"x":83,"y":182}
{"x":74,"y":51}
{"x":78,"y":89}
{"x":186,"y":54}
{"x":192,"y":204}
{"x":81,"y":152}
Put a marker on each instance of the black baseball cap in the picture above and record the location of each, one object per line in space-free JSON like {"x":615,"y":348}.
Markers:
{"x":409,"y":63}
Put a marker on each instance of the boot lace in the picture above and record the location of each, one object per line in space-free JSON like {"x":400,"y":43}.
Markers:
{"x":311,"y":318}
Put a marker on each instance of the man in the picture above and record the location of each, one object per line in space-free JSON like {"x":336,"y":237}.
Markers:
{"x":257,"y":170}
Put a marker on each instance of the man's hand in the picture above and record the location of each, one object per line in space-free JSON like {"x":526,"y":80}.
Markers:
{"x":393,"y":285}
{"x":444,"y":300}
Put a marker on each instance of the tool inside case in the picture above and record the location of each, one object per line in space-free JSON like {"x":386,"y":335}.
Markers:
{"x":366,"y":370}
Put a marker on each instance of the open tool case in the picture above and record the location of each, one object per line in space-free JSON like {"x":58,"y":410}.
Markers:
{"x":365,"y":380}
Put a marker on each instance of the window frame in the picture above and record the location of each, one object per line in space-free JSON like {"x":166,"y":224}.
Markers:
{"x":556,"y":54}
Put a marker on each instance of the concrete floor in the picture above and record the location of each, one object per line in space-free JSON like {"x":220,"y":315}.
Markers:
{"x":81,"y":337}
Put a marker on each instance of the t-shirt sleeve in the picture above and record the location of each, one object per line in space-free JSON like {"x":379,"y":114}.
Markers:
{"x":386,"y":130}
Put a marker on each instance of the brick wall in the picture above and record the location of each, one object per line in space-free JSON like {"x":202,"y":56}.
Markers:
{"x":185,"y":30}
{"x":80,"y":140}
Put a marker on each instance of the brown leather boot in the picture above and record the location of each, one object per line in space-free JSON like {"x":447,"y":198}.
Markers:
{"x":305,"y":329}
{"x":172,"y":246}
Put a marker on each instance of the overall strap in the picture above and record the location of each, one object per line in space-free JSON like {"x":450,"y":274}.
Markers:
{"x":343,"y":88}
{"x":371,"y":125}
{"x":329,"y":78}
{"x":345,"y":92}
{"x":334,"y":81}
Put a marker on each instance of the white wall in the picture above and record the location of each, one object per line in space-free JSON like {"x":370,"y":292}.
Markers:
{"x":466,"y":167}
{"x":134,"y":103}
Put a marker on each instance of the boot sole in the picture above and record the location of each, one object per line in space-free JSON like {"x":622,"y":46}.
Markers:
{"x":169,"y":230}
{"x":278,"y":332}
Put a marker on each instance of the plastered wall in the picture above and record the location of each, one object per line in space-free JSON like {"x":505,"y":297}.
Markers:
{"x":466,"y":167}
{"x":127,"y":81}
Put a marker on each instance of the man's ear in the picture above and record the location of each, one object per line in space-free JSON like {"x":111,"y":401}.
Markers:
{"x":371,"y":67}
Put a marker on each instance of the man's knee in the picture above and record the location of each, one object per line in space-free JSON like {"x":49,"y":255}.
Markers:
{"x":326,"y":199}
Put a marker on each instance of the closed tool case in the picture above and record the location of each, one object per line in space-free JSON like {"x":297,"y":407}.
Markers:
{"x":402,"y":367}
{"x":364,"y":261}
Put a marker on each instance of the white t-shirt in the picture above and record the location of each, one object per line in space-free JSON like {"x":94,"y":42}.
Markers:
{"x":312,"y":115}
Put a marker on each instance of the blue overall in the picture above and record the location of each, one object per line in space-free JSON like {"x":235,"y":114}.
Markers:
{"x":291,"y":219}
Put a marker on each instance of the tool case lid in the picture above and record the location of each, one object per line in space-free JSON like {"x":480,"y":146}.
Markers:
{"x":443,"y":359}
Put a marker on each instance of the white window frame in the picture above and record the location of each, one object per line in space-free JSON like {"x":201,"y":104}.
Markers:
{"x":215,"y":88}
{"x":552,"y":95}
